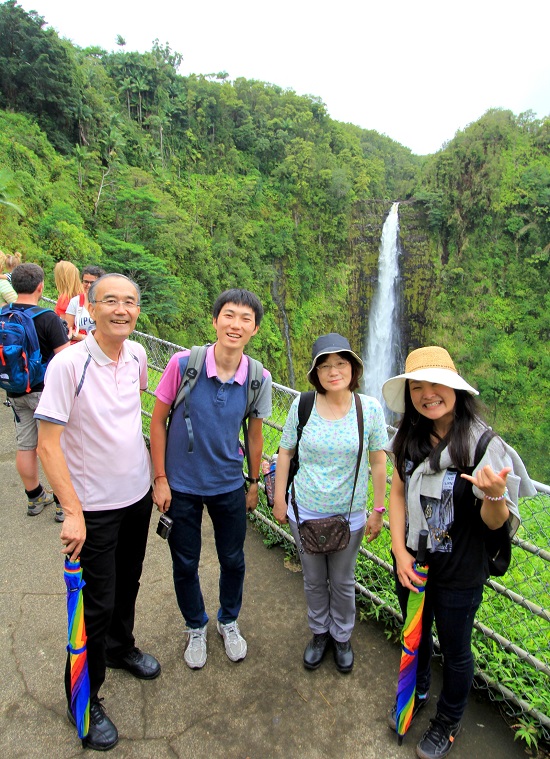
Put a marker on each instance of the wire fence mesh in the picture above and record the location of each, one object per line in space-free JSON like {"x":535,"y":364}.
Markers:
{"x":511,"y":639}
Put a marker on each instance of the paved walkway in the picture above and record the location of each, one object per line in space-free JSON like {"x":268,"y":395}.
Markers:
{"x":265,"y":707}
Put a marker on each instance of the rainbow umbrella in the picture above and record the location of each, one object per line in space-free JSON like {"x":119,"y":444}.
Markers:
{"x":80,"y":681}
{"x":410,"y":641}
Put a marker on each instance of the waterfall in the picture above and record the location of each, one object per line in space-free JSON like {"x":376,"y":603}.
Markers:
{"x":279,"y":303}
{"x":382,"y":353}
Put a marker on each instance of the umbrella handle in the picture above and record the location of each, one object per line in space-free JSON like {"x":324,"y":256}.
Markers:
{"x":422,"y":547}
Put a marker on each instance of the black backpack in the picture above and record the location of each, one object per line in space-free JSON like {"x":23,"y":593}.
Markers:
{"x":305,"y":407}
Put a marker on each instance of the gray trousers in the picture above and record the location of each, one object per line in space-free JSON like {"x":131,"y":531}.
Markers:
{"x":329,"y":585}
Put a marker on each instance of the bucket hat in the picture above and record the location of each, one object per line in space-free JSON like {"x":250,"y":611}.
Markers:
{"x":430,"y":364}
{"x":331,"y":343}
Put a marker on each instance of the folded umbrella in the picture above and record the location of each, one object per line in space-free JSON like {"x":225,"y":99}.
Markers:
{"x":80,"y":681}
{"x":410,"y":641}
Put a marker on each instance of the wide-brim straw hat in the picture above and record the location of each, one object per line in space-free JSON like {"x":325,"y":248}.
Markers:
{"x":331,"y":343}
{"x":430,"y":364}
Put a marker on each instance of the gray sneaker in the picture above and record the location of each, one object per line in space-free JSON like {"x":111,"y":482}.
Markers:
{"x":235,"y":644}
{"x":36,"y":505}
{"x":59,"y":513}
{"x":195,"y":651}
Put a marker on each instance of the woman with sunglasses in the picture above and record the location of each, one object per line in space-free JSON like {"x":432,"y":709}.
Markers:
{"x":324,"y":487}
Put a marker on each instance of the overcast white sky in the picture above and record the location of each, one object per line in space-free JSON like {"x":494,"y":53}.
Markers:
{"x":416,"y":71}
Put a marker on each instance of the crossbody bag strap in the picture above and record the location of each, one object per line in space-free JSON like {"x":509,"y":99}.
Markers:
{"x":361,"y":430}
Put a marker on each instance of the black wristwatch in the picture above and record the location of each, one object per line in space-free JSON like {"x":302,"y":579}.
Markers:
{"x":252,"y":480}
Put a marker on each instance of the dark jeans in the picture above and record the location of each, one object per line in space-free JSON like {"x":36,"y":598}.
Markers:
{"x":454,"y":612}
{"x":228,"y":514}
{"x":112,"y":560}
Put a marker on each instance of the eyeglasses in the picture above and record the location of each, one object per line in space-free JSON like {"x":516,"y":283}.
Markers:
{"x":113,"y":303}
{"x":88,"y":282}
{"x":339,"y":366}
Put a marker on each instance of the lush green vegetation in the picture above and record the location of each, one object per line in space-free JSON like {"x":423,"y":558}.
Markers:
{"x":194,"y":184}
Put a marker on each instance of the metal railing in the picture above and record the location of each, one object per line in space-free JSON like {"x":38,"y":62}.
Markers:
{"x":511,"y":638}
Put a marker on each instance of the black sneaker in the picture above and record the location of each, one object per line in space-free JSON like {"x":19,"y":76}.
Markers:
{"x":438,"y":739}
{"x":420,"y":701}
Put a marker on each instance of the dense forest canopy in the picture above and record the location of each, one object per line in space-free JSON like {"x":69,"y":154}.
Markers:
{"x":192,"y":184}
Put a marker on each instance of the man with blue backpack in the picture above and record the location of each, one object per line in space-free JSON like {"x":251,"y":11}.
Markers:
{"x":29,"y":337}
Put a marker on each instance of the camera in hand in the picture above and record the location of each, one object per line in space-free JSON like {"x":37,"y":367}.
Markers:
{"x":164,"y":526}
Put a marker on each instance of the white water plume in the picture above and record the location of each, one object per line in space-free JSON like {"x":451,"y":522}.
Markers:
{"x":383,"y":340}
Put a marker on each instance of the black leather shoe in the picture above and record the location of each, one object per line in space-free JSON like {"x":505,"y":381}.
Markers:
{"x":138,"y":664}
{"x":315,"y":650}
{"x":102,"y":734}
{"x":343,"y":656}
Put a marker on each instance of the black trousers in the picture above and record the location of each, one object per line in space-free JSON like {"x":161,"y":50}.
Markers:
{"x":112,"y":561}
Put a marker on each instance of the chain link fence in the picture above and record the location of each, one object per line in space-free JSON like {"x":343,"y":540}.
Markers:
{"x":511,"y":639}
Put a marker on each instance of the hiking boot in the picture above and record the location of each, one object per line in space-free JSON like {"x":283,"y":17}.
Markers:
{"x":102,"y":734}
{"x":235,"y":644}
{"x":343,"y":655}
{"x":195,"y":651}
{"x":438,"y":739}
{"x":36,"y":505}
{"x":420,"y":701}
{"x":316,"y":650}
{"x":59,"y":513}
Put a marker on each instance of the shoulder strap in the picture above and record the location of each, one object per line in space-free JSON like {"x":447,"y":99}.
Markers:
{"x":482,"y":445}
{"x":255,"y":376}
{"x":35,"y":311}
{"x":305,"y":407}
{"x":361,"y":430}
{"x":188,"y":382}
{"x":190,"y":375}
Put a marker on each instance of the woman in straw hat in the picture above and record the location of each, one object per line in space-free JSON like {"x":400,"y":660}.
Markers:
{"x":324,"y":487}
{"x":436,"y":487}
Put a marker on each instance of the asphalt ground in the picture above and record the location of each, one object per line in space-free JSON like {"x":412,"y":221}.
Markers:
{"x":266,"y":707}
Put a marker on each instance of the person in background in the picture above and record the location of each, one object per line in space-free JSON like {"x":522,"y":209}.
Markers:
{"x":211,"y":475}
{"x":436,"y":487}
{"x":12,"y":260}
{"x":324,"y":486}
{"x":7,"y":293}
{"x":77,"y":315}
{"x":28,"y":281}
{"x":92,"y":448}
{"x":68,"y":285}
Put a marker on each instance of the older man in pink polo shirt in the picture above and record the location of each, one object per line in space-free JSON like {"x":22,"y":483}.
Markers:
{"x":92,"y":449}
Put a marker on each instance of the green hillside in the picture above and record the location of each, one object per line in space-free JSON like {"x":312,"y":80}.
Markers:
{"x":194,"y":184}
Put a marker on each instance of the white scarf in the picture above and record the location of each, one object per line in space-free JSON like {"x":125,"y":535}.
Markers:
{"x":424,"y":481}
